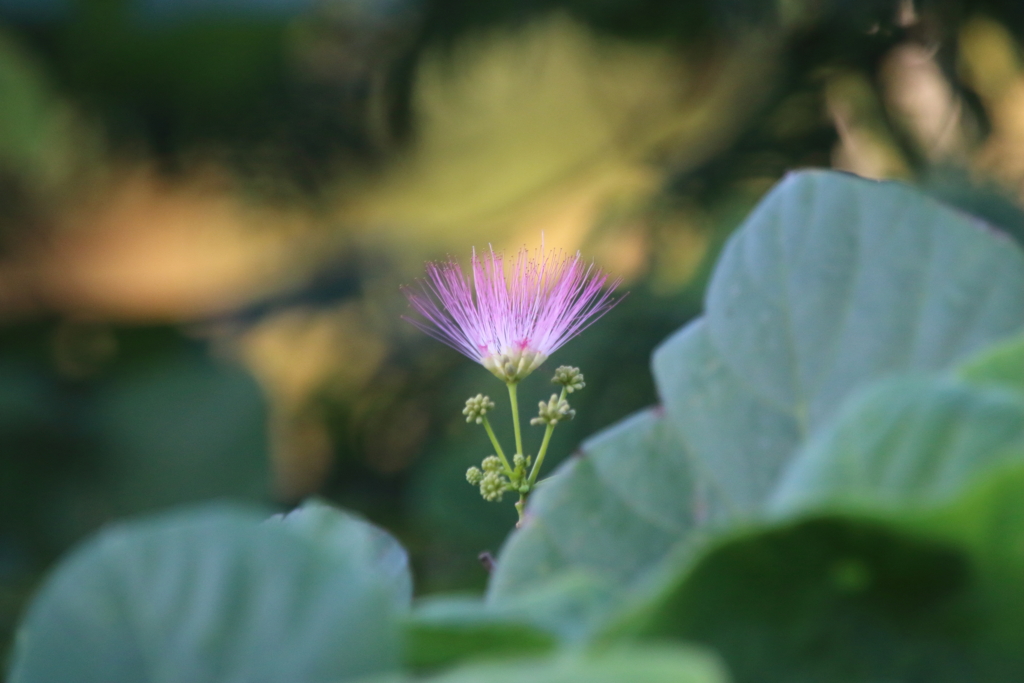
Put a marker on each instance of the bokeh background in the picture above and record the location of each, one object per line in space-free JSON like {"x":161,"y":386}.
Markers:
{"x":207,"y":208}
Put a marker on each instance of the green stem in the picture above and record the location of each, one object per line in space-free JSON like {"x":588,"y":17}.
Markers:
{"x":515,"y":417}
{"x":520,"y":508}
{"x":543,"y":447}
{"x":497,"y":446}
{"x":540,"y":454}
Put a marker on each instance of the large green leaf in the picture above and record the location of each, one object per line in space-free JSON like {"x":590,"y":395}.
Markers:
{"x":607,"y":514}
{"x":208,"y":595}
{"x":831,"y":282}
{"x":904,"y":443}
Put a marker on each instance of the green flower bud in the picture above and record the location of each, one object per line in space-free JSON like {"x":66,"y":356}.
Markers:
{"x":513,"y":366}
{"x":491,"y":464}
{"x":492,"y":487}
{"x":569,"y":377}
{"x":474,"y":475}
{"x":518,"y":461}
{"x":553,"y":412}
{"x":477,"y":407}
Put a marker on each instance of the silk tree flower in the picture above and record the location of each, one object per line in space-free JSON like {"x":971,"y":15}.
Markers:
{"x":511,"y":322}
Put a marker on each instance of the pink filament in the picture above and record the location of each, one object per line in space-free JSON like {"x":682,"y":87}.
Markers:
{"x":545,"y":301}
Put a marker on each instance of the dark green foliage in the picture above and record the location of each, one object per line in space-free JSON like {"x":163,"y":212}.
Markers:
{"x":829,"y":600}
{"x":133,"y":419}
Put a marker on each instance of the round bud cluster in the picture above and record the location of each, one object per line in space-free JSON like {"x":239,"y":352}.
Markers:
{"x":490,"y":478}
{"x":477,"y":407}
{"x":554,"y":411}
{"x":569,"y":377}
{"x":492,"y":487}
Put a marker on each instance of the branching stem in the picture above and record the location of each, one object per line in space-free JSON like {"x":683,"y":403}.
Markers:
{"x":543,"y":447}
{"x":497,"y":446}
{"x":512,"y":386}
{"x":520,"y":508}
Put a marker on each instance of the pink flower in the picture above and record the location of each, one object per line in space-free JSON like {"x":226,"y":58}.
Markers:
{"x":511,"y":323}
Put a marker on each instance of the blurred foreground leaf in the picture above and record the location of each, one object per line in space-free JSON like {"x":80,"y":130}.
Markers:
{"x":444,"y":630}
{"x":650,"y":665}
{"x":348,"y":536}
{"x":564,"y":609}
{"x":208,"y":595}
{"x":829,"y":599}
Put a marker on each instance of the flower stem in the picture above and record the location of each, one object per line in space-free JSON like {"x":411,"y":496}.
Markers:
{"x":540,"y":454}
{"x":543,"y":447}
{"x":497,"y":446}
{"x":520,"y":508}
{"x":512,"y":386}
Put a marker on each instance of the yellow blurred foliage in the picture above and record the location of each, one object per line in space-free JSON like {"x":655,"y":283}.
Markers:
{"x":991,"y":65}
{"x":539,"y":129}
{"x":292,"y":354}
{"x":544,"y":131}
{"x":144,"y":248}
{"x":918,"y":94}
{"x":865,"y":145}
